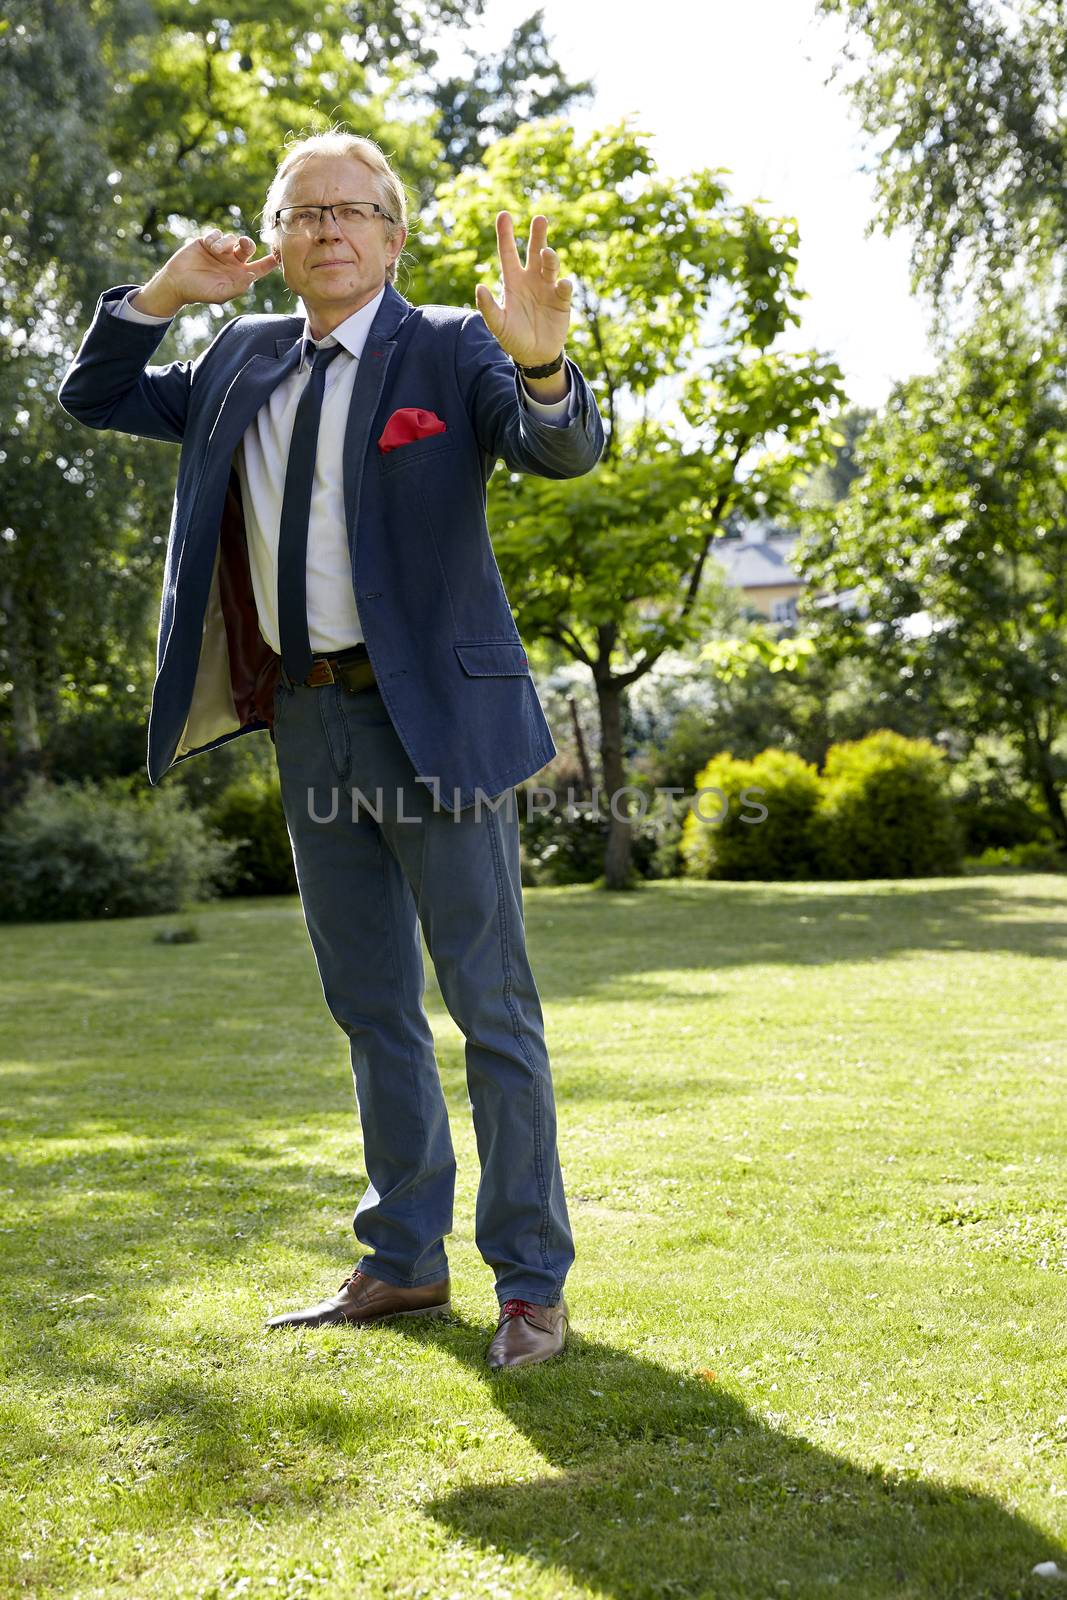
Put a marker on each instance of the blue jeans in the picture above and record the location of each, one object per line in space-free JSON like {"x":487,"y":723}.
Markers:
{"x":366,"y":885}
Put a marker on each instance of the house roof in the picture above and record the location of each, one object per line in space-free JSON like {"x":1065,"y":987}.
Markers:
{"x":760,"y":563}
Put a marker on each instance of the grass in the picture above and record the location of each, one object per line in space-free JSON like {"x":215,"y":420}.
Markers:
{"x":814,"y":1144}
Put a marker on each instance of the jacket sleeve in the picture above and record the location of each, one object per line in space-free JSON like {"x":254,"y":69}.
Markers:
{"x":506,"y":427}
{"x":110,"y":385}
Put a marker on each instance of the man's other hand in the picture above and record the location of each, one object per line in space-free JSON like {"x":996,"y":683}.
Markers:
{"x":532,"y":323}
{"x":209,"y":270}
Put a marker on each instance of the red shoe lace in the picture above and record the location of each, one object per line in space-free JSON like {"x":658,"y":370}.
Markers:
{"x":517,"y":1308}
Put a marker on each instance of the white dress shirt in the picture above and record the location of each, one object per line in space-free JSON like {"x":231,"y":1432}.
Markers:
{"x":261,"y":459}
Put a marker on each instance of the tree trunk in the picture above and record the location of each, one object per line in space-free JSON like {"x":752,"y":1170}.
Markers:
{"x":618,"y":854}
{"x":1041,"y":759}
{"x":24,"y":723}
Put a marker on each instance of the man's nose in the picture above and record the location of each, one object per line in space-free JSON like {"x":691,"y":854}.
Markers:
{"x":328,"y":228}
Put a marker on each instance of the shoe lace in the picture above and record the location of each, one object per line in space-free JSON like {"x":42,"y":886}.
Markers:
{"x":517,"y":1308}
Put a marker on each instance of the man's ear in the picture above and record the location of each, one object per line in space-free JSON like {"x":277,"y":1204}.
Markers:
{"x":401,"y":234}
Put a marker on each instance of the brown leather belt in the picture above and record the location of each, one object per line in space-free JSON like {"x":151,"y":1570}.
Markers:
{"x":350,"y":668}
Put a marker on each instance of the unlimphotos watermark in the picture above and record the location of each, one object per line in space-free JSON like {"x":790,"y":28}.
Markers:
{"x":540,"y":801}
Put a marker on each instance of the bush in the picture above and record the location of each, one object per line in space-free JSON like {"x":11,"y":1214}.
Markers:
{"x":885,"y":810}
{"x":562,"y":849}
{"x":997,"y":820}
{"x":249,"y":814}
{"x":77,"y":851}
{"x":100,"y":742}
{"x":1035,"y":855}
{"x":658,"y":836}
{"x":558,"y":848}
{"x":782,"y":845}
{"x":690,"y":744}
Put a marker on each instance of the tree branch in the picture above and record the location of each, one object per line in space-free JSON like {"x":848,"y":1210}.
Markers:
{"x":718,"y":511}
{"x":594,"y":326}
{"x":563,"y":636}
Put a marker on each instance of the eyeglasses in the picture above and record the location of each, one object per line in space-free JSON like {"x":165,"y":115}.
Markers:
{"x":345,"y":213}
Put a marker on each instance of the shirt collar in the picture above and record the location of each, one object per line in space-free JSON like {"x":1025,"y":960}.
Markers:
{"x":351,"y":333}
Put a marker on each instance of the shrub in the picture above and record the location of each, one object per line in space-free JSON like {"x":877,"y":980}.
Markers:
{"x":989,"y":821}
{"x":885,"y":810}
{"x":76,"y":851}
{"x":691,"y":742}
{"x":1035,"y":855}
{"x":781,"y":845}
{"x":562,"y":849}
{"x":249,"y":814}
{"x":658,"y":836}
{"x":97,"y":743}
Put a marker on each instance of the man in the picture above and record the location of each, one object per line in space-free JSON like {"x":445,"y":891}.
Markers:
{"x":329,"y":576}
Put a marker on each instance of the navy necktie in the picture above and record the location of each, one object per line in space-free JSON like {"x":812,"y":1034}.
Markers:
{"x":296,"y":510}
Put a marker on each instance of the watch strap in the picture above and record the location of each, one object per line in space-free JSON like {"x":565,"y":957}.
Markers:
{"x":545,"y":371}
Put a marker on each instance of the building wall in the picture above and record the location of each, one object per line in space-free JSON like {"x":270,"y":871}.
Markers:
{"x":763,"y":599}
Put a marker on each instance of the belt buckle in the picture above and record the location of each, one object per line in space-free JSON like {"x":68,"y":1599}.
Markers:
{"x":321,"y":673}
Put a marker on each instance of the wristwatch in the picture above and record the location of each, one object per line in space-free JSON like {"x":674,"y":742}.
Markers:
{"x":541,"y":372}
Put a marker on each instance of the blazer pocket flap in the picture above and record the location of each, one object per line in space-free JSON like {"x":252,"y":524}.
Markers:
{"x":493,"y":658}
{"x":431,"y":444}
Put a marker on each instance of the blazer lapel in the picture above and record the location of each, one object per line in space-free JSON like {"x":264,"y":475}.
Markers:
{"x":251,"y":389}
{"x":367,"y":392}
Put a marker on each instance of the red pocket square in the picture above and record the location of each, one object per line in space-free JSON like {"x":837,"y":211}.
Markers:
{"x":407,"y":425}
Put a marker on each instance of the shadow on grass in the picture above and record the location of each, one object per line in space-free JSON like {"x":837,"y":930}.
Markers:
{"x":703,"y":927}
{"x":633,"y":1479}
{"x":665,"y":1485}
{"x":625,"y":1476}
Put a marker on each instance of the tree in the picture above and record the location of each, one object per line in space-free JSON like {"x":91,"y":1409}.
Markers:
{"x":78,"y":559}
{"x":500,"y":93}
{"x":830,"y":481}
{"x":959,"y":519}
{"x":68,"y":511}
{"x":966,"y":100}
{"x":612,"y":567}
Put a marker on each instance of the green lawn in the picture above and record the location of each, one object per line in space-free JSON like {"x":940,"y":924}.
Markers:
{"x":815,"y":1146}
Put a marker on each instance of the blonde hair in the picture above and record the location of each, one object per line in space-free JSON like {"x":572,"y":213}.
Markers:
{"x":391,"y":192}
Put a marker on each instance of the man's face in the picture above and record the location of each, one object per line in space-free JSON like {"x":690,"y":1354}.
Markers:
{"x":335,"y":269}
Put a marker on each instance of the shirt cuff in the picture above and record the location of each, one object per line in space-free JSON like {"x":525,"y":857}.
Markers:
{"x":127,"y":313}
{"x":559,"y":412}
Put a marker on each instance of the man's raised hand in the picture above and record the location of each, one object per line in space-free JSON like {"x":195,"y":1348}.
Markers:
{"x":532,"y":323}
{"x":209,"y":270}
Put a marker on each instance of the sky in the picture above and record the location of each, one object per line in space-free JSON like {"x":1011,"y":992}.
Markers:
{"x":742,"y":86}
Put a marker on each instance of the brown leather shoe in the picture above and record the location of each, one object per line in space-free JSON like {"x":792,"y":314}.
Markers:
{"x":527,"y":1333}
{"x":364,"y":1299}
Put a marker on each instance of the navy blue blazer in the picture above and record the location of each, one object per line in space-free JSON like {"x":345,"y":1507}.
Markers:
{"x":447,"y":655}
